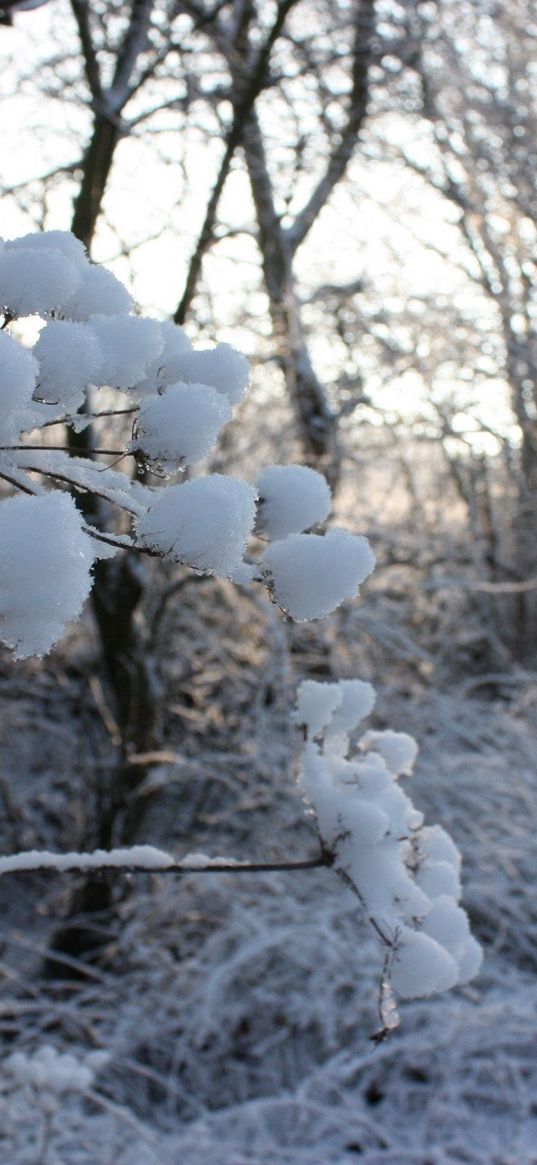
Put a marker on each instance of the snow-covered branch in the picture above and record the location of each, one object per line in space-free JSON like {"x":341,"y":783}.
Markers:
{"x":180,"y":399}
{"x":143,"y":859}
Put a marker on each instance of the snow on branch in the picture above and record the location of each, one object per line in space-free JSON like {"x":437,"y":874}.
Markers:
{"x":406,"y":875}
{"x":144,"y":859}
{"x":180,"y":400}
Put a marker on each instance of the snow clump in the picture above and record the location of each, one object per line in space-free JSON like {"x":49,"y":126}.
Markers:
{"x":405,"y":874}
{"x":204,"y":523}
{"x":222,"y":367}
{"x":70,"y":357}
{"x":36,"y":280}
{"x":311,"y":574}
{"x":18,"y":375}
{"x":98,"y":293}
{"x":45,"y":561}
{"x":91,"y":339}
{"x":181,"y":426}
{"x":48,"y":1070}
{"x":292,"y":498}
{"x":129,"y":344}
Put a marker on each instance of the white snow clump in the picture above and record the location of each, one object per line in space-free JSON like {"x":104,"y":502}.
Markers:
{"x":18,"y":375}
{"x":36,"y":280}
{"x":181,"y":426}
{"x":221,"y":367}
{"x":405,"y":874}
{"x":204,"y":523}
{"x":48,"y":1070}
{"x":129,"y":344}
{"x":70,"y":357}
{"x":311,"y":574}
{"x":91,"y":339}
{"x":292,"y":498}
{"x":98,"y":293}
{"x":45,"y":561}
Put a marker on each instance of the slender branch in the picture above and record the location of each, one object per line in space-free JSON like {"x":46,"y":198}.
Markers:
{"x":91,"y":65}
{"x":357,"y":111}
{"x":146,"y":859}
{"x":246,"y":96}
{"x":63,"y":449}
{"x":134,"y":42}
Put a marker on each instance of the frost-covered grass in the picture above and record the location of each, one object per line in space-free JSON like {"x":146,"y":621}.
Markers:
{"x":235,"y":1012}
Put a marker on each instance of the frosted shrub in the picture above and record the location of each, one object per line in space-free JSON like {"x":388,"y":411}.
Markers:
{"x":179,"y":399}
{"x":405,"y":874}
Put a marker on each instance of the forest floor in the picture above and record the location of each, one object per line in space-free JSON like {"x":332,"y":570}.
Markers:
{"x":234,"y":1014}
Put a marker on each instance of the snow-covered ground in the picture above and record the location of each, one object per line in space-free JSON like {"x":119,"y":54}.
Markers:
{"x":234,"y":1013}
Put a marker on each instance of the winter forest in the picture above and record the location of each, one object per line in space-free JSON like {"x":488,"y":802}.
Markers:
{"x":268,"y":582}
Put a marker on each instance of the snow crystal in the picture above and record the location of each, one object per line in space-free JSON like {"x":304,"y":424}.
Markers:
{"x":98,"y":292}
{"x":311,"y":574}
{"x":421,"y":966}
{"x":45,"y":560}
{"x":292,"y":499}
{"x":204,"y":523}
{"x":129,"y":345}
{"x":222,"y":367}
{"x":70,"y":357}
{"x":18,"y":373}
{"x":398,"y":749}
{"x":181,"y":426}
{"x":36,"y":281}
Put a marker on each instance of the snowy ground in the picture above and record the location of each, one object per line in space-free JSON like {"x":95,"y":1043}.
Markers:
{"x":235,"y":1013}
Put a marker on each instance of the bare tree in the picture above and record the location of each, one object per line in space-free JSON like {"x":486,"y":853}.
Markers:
{"x":481,"y":109}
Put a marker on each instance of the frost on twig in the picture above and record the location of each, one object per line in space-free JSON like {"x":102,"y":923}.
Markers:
{"x":405,"y":874}
{"x":180,"y":399}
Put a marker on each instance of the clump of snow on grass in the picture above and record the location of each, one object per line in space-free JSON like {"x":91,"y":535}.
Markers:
{"x":129,"y":344}
{"x":311,"y":574}
{"x":204,"y":523}
{"x":70,"y":357}
{"x":406,"y":875}
{"x":222,"y":367}
{"x":181,"y":426}
{"x":18,"y":374}
{"x":36,"y":280}
{"x":45,"y":561}
{"x":48,"y":1070}
{"x":98,"y":293}
{"x":292,"y":498}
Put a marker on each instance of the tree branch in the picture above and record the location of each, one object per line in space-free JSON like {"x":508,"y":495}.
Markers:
{"x":146,"y":859}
